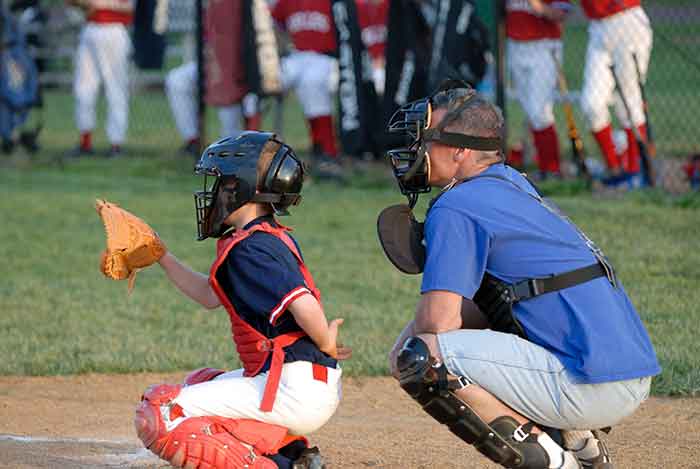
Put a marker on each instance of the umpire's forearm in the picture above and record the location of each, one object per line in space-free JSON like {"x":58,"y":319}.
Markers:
{"x":191,"y":283}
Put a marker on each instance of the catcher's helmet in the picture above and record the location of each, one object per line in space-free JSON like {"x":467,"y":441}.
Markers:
{"x":230,"y":170}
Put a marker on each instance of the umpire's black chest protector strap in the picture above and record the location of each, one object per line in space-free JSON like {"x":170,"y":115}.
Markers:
{"x":496,"y":298}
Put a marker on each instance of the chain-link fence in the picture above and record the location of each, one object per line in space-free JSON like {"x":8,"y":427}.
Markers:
{"x":622,"y":81}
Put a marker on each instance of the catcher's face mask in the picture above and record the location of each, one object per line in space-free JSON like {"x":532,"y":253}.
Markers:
{"x":411,"y":165}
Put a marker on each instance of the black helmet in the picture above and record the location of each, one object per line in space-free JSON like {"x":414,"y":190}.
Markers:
{"x":232,"y":163}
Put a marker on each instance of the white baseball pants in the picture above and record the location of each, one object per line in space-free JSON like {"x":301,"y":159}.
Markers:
{"x":533,"y":71}
{"x":303,"y":404}
{"x":102,"y":57}
{"x":612,"y":41}
{"x":313,"y":77}
{"x":181,"y":89}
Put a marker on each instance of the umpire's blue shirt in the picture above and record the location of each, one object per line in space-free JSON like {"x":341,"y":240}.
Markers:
{"x":489,"y":225}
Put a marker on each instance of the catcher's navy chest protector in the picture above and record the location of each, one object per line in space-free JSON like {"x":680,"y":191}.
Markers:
{"x":19,"y":81}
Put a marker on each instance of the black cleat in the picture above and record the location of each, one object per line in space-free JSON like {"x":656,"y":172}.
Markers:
{"x":310,"y":459}
{"x":115,"y":151}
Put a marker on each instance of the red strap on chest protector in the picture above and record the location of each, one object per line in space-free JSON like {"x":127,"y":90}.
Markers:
{"x":252,"y":346}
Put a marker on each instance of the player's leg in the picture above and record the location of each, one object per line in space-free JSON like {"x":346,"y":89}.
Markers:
{"x":113,"y":50}
{"x":230,"y":119}
{"x":86,"y":86}
{"x":596,"y":94}
{"x":181,"y":90}
{"x":633,"y":48}
{"x":540,"y":104}
{"x":472,"y":411}
{"x":303,"y":404}
{"x":314,"y":93}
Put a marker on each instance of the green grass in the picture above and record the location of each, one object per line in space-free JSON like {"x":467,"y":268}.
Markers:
{"x":60,"y":316}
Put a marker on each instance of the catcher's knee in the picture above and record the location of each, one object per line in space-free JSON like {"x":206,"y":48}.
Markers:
{"x":202,"y":375}
{"x":156,"y":415}
{"x":426,"y":380}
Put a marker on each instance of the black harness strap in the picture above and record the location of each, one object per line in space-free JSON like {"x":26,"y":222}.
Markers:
{"x":539,"y":286}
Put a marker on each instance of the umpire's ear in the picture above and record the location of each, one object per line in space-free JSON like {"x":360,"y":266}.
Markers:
{"x":461,"y":154}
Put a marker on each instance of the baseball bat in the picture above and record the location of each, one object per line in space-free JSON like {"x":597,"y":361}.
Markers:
{"x":574,"y":136}
{"x":651,"y":143}
{"x":647,"y":165}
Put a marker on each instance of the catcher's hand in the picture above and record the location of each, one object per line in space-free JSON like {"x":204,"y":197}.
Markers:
{"x":131,"y":243}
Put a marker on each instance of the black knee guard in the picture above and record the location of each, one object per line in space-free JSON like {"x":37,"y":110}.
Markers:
{"x":503,"y":441}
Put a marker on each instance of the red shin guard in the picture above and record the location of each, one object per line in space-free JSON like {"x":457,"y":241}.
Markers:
{"x":323,"y":135}
{"x":253,"y":122}
{"x":631,"y":160}
{"x":204,"y":442}
{"x":607,"y":147}
{"x":547,"y":145}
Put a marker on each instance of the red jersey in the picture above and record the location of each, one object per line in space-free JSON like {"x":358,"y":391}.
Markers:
{"x":523,"y":24}
{"x":372,"y":15}
{"x":598,"y":9}
{"x":112,"y":11}
{"x":308,"y":22}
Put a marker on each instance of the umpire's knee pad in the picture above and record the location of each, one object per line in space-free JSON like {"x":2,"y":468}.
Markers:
{"x":414,"y":365}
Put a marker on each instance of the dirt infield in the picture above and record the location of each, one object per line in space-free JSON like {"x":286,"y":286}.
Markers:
{"x":86,"y":422}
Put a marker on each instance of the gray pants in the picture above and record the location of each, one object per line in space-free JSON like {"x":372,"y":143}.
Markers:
{"x":533,"y":382}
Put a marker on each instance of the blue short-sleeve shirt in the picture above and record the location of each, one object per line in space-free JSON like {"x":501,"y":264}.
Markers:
{"x":261,"y":277}
{"x":495,"y":226}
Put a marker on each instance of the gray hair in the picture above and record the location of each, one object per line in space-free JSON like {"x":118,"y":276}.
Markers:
{"x":469,"y":113}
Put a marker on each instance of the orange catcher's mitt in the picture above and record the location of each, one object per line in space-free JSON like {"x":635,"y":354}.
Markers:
{"x":131,"y":243}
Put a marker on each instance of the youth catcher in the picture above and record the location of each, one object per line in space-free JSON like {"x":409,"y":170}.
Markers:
{"x":290,"y":381}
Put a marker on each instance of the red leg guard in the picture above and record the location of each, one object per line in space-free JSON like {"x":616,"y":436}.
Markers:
{"x":202,"y":375}
{"x":607,"y":147}
{"x":547,"y":145}
{"x":515,"y":157}
{"x":150,"y":420}
{"x":202,"y":442}
{"x":253,"y":122}
{"x":205,"y":442}
{"x":323,"y":135}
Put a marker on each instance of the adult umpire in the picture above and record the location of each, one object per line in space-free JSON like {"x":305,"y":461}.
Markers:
{"x":554,"y":343}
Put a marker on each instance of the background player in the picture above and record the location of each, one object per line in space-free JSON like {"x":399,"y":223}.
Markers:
{"x":225,"y":75}
{"x":372,"y":16}
{"x":618,"y":32}
{"x":534,"y":30}
{"x":290,"y":376}
{"x":102,"y":58}
{"x":310,"y":69}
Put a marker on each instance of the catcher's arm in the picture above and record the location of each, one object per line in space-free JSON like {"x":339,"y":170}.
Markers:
{"x":574,"y":136}
{"x":193,"y":284}
{"x":309,"y":315}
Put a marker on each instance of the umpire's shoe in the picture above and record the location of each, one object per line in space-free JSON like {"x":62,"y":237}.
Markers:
{"x":310,"y":459}
{"x":602,"y":461}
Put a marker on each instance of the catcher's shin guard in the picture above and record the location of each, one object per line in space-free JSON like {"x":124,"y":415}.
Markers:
{"x":503,"y":441}
{"x":200,"y":442}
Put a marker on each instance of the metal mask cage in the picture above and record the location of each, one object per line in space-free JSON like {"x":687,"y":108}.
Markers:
{"x":410,"y":119}
{"x":204,"y":200}
{"x":411,"y":167}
